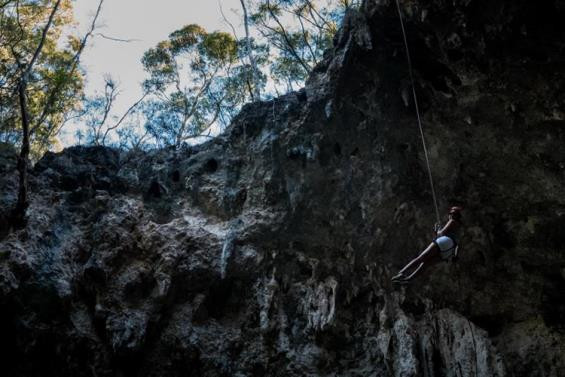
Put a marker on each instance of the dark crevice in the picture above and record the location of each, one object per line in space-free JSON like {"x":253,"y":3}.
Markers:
{"x":175,"y":176}
{"x":337,"y":149}
{"x":211,"y":166}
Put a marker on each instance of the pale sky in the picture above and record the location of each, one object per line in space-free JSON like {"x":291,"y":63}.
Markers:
{"x":147,"y":22}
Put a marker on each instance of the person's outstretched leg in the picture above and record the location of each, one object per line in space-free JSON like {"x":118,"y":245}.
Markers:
{"x":419,"y":262}
{"x":424,"y":265}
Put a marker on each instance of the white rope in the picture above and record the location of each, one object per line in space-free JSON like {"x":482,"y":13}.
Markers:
{"x":409,"y":59}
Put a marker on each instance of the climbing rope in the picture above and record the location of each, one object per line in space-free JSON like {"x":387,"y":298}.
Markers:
{"x":410,"y":71}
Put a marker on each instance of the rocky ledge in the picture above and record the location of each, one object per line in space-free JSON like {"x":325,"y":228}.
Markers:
{"x":269,"y":250}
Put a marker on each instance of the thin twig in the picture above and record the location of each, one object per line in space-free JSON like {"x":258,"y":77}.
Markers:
{"x":227,"y":21}
{"x":305,"y":35}
{"x":116,"y":39}
{"x":286,"y":38}
{"x":256,"y":94}
{"x":131,"y":108}
{"x":41,"y":42}
{"x":74,"y":65}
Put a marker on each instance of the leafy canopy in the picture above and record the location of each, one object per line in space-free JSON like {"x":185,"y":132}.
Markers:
{"x":298,"y":32}
{"x":193,"y":83}
{"x":53,"y":91}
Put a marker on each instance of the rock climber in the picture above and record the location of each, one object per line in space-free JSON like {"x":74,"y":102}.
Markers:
{"x":444,"y":247}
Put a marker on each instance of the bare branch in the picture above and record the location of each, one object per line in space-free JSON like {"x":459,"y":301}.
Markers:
{"x":116,"y":39}
{"x":248,"y":83}
{"x":207,"y":81}
{"x":124,"y":116}
{"x":256,"y":94}
{"x":140,"y":140}
{"x":227,"y":21}
{"x":287,"y":39}
{"x":41,"y":42}
{"x":314,"y":12}
{"x":110,"y":94}
{"x":305,"y":36}
{"x":74,"y":64}
{"x":2,"y":5}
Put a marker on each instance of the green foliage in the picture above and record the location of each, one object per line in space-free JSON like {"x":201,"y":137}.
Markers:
{"x":298,"y":32}
{"x":198,"y":80}
{"x":194,"y":83}
{"x":219,"y":47}
{"x":52,"y":90}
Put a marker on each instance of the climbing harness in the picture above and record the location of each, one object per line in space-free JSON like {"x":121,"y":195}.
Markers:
{"x":411,"y":74}
{"x":448,"y":248}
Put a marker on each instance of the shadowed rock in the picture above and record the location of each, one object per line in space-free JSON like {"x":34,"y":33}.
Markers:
{"x":268,"y":251}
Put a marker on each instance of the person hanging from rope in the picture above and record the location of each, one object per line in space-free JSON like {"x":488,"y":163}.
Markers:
{"x":444,"y":247}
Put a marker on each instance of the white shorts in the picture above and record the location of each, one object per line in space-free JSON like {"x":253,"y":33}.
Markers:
{"x":446,"y":246}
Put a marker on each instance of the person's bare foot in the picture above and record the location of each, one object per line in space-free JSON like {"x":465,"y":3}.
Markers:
{"x":403,"y":281}
{"x":398,"y":276}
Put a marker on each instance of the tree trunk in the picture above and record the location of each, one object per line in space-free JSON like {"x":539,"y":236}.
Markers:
{"x":19,"y":212}
{"x":256,"y":75}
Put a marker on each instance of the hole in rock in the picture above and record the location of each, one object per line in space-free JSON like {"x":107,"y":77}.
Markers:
{"x":176,"y":176}
{"x":493,"y":324}
{"x":258,"y":370}
{"x":211,"y":165}
{"x":337,"y":149}
{"x":155,"y":189}
{"x":218,"y":299}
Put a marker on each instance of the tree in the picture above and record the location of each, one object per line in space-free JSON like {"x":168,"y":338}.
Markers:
{"x":50,"y":90}
{"x":38,"y":77}
{"x":194,"y":83}
{"x":97,"y":113}
{"x":299,"y":32}
{"x":255,"y":54}
{"x":256,"y":74}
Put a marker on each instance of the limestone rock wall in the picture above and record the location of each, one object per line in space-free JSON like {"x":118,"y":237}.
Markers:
{"x":269,"y":250}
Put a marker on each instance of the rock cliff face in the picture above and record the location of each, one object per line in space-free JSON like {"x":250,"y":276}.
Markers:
{"x":269,"y":250}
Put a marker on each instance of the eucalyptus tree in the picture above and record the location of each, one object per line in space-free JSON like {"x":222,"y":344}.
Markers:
{"x":253,"y":55}
{"x":39,"y":79}
{"x":299,"y":31}
{"x":250,"y":53}
{"x":195,"y":83}
{"x":33,"y":51}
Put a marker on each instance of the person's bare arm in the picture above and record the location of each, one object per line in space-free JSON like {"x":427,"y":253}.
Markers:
{"x":449,"y":227}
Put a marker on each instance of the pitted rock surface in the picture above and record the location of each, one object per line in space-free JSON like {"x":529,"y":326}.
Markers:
{"x":269,"y":250}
